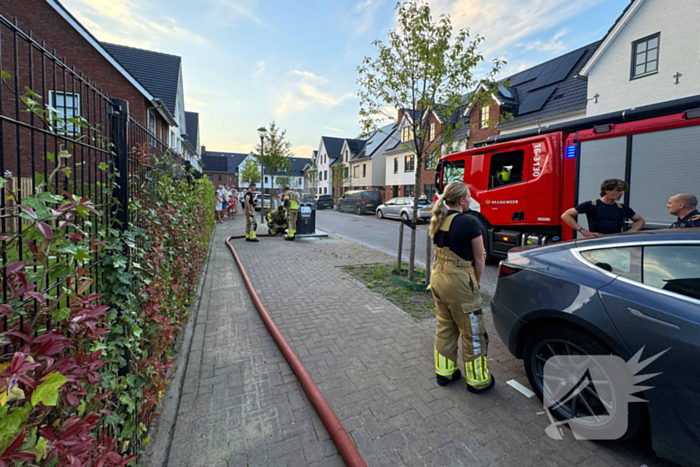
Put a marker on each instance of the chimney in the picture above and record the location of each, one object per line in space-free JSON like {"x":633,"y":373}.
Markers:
{"x":204,"y":149}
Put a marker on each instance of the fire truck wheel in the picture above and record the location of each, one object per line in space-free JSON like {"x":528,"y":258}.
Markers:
{"x":596,"y":407}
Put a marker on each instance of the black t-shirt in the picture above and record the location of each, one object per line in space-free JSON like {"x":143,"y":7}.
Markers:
{"x":463,"y":229}
{"x":610,"y":216}
{"x":245,"y":198}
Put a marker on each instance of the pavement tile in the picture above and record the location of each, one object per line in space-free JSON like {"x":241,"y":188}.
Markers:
{"x":243,"y":405}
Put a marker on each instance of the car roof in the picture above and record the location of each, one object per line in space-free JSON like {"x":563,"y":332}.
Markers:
{"x":672,"y":235}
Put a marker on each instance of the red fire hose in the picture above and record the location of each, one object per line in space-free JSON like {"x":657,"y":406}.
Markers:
{"x":347,"y":448}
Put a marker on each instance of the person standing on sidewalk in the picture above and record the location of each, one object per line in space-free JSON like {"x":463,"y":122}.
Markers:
{"x":456,"y":274}
{"x":249,"y":211}
{"x":291,"y":202}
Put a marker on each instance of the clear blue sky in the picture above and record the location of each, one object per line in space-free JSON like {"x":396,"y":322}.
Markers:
{"x":246,"y":62}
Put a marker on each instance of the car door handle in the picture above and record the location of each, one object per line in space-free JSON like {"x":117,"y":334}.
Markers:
{"x":639,"y":314}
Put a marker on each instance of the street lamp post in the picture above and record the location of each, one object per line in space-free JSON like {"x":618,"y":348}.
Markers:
{"x":261,"y":131}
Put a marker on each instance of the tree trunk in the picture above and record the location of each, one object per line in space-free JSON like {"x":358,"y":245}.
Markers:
{"x":416,"y":195}
{"x":398,"y":263}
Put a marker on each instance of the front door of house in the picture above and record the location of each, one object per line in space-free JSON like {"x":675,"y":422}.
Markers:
{"x":395,"y":191}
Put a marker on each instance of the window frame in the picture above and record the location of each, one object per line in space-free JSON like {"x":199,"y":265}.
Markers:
{"x":576,"y":252}
{"x":432,"y":131}
{"x":396,"y":165}
{"x":70,"y":129}
{"x":484,"y":123}
{"x":406,"y":165}
{"x":524,"y":175}
{"x":364,"y":170}
{"x":633,"y":64}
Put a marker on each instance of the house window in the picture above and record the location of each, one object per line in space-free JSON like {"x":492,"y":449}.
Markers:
{"x":266,"y":180}
{"x":219,"y":177}
{"x":67,"y":106}
{"x":407,"y":133}
{"x":430,"y":161}
{"x":354,"y":171}
{"x":347,"y":169}
{"x":484,"y":120}
{"x":396,"y":165}
{"x":211,"y":178}
{"x":429,"y":190}
{"x":645,"y":56}
{"x":432,"y":131}
{"x":409,"y":163}
{"x":364,"y":170}
{"x":408,"y":191}
{"x":151,"y":122}
{"x":506,"y":168}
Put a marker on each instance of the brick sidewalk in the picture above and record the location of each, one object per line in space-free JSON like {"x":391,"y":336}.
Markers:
{"x":242,"y":405}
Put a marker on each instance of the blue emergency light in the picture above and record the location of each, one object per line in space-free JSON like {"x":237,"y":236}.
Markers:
{"x":571,"y":151}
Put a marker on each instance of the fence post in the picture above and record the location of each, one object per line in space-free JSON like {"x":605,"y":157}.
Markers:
{"x":120,"y":141}
{"x":398,"y":267}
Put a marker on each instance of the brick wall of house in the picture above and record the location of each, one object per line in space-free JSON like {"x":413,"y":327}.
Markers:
{"x":480,"y":134}
{"x":47,"y":25}
{"x":222,"y":178}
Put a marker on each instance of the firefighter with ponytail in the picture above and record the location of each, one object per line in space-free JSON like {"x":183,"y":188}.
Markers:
{"x":456,"y":274}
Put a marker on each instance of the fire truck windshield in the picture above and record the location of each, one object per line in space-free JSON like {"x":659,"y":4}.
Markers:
{"x":452,"y":171}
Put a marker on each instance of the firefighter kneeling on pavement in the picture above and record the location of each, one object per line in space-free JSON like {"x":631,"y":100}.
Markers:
{"x":456,"y":273}
{"x":291,"y":202}
{"x":276,"y":221}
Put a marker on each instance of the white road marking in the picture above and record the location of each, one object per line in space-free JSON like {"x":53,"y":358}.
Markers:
{"x":520,"y":388}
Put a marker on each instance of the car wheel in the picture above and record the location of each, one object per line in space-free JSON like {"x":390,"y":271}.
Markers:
{"x":380,"y":215}
{"x":404,"y":217}
{"x":358,"y":211}
{"x":597,"y":409}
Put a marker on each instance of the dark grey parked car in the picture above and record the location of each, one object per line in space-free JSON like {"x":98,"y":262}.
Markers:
{"x":615,"y":294}
{"x":360,"y":201}
{"x":324,"y":201}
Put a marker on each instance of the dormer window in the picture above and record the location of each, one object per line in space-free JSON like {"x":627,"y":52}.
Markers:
{"x":484,"y":117}
{"x":645,"y":57}
{"x":407,"y":133}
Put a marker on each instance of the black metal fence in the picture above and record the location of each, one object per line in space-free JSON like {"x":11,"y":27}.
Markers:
{"x":54,"y":120}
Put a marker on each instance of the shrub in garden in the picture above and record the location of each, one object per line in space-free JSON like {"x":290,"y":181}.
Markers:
{"x":92,"y":310}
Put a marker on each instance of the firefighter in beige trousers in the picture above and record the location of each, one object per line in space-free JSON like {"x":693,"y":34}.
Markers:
{"x":457,"y":269}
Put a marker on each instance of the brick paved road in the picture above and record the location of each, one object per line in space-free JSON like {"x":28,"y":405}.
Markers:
{"x":373,"y":364}
{"x":383,"y":235}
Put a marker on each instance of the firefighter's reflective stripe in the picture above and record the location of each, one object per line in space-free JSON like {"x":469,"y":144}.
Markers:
{"x":443,"y":365}
{"x":477,"y":371}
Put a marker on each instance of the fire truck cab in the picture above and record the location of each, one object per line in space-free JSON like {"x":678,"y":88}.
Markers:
{"x":520,"y":187}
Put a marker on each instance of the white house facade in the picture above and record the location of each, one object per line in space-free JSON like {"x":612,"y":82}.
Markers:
{"x":651,"y":55}
{"x":328,"y":152}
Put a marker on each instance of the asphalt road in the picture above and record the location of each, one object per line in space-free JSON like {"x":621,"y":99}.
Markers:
{"x":383,"y":235}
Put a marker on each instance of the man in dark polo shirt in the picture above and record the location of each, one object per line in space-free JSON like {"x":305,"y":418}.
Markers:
{"x":684,"y":205}
{"x":605,"y":215}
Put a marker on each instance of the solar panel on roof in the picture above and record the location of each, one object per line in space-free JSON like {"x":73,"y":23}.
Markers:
{"x":526,"y":76}
{"x":505,"y":92}
{"x":535,"y":101}
{"x":558,"y":69}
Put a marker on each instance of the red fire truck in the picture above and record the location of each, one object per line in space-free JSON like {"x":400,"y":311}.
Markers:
{"x":521,"y":183}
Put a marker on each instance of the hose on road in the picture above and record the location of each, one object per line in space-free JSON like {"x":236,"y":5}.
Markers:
{"x":347,"y":448}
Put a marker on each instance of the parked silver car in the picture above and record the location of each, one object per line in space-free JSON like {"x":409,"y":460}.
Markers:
{"x":402,"y":208}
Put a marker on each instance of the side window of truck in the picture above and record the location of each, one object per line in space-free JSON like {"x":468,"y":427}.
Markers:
{"x":452,"y":171}
{"x":506,"y":168}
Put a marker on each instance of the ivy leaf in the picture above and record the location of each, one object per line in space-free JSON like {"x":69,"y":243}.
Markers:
{"x":2,"y":182}
{"x":38,"y":179}
{"x":40,"y":448}
{"x":47,"y":392}
{"x":51,"y":156}
{"x":103,"y":166}
{"x":15,"y":394}
{"x":5,"y":75}
{"x":61,"y":314}
{"x":82,"y":256}
{"x":32,"y":93}
{"x":66,"y":171}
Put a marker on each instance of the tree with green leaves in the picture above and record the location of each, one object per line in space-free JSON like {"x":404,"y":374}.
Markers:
{"x":277,"y":151}
{"x":424,"y":68}
{"x":249,"y":172}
